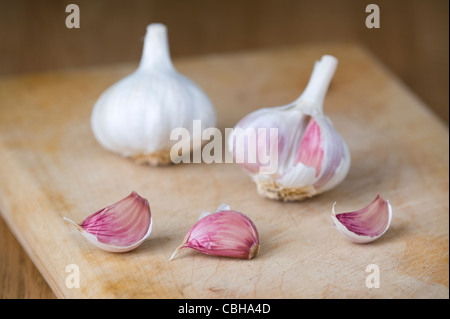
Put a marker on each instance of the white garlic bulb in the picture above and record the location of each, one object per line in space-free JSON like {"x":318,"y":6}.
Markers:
{"x":135,"y":116}
{"x":310,"y":155}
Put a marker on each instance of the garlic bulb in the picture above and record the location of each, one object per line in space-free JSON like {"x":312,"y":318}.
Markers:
{"x":135,"y":116}
{"x":310,"y":155}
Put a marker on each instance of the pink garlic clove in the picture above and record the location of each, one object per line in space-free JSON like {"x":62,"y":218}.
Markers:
{"x":224,"y":233}
{"x":311,"y":149}
{"x":367,"y":224}
{"x":120,"y":227}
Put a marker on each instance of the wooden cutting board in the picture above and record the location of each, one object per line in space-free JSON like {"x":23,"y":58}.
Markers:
{"x":51,"y":166}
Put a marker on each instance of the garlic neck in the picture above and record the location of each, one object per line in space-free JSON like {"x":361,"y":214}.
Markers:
{"x":319,"y":81}
{"x":156,"y":54}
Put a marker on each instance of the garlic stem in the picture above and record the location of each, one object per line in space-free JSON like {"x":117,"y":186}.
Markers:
{"x":72,"y":222}
{"x":156,"y":53}
{"x":177,"y":250}
{"x":319,"y":81}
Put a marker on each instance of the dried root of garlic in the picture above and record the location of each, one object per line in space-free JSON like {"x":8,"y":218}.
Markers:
{"x":160,"y":158}
{"x":270,"y":189}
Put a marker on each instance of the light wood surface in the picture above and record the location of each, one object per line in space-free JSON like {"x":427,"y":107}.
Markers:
{"x":19,"y":278}
{"x":51,"y":166}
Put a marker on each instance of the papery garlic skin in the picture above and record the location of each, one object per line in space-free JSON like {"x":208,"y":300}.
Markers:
{"x":312,"y":156}
{"x":135,"y":116}
{"x":365,"y":225}
{"x":225,"y":233}
{"x":120,"y":227}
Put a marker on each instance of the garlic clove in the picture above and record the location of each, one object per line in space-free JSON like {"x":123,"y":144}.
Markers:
{"x":225,"y":233}
{"x":325,"y":164}
{"x":120,"y":227}
{"x":312,"y":157}
{"x":366,"y":224}
{"x":311,"y":148}
{"x":135,"y":116}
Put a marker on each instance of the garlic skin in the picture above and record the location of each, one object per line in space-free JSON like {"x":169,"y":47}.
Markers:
{"x":135,"y":116}
{"x":225,"y":233}
{"x":365,"y":225}
{"x":120,"y":227}
{"x":312,"y":156}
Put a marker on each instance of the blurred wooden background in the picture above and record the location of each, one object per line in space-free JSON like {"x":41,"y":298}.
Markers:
{"x":412,"y":41}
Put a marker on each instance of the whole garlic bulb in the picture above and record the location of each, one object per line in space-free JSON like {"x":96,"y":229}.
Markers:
{"x":135,"y":116}
{"x":310,"y":154}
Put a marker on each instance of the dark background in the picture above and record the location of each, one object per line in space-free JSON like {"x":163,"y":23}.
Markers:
{"x":412,"y":41}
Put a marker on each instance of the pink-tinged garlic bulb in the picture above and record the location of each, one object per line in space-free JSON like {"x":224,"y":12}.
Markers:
{"x":367,"y":224}
{"x":120,"y":227}
{"x":306,"y":156}
{"x":226,"y":233}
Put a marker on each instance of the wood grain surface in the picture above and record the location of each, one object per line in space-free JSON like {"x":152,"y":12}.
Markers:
{"x":51,"y":166}
{"x":19,"y":278}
